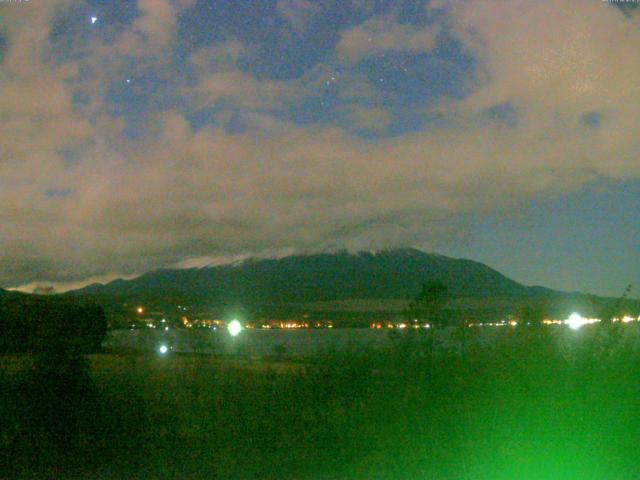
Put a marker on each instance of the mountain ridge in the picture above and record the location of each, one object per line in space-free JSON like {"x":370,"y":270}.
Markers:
{"x":389,"y":273}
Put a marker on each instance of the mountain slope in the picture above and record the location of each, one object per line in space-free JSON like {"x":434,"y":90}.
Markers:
{"x":337,"y":276}
{"x":10,"y":293}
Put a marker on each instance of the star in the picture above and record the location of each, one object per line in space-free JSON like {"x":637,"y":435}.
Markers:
{"x":128,"y":80}
{"x":94,"y":20}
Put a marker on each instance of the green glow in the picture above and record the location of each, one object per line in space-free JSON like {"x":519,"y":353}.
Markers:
{"x":235,"y":327}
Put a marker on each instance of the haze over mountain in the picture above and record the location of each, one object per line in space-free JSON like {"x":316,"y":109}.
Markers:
{"x":386,"y":274}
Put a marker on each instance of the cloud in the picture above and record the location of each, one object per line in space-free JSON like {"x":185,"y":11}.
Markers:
{"x":383,"y":34}
{"x":242,"y":89}
{"x":298,"y":12}
{"x":220,"y":78}
{"x":564,"y":62}
{"x":157,"y":21}
{"x":372,"y":119}
{"x":181,"y":195}
{"x":59,"y":287}
{"x":187,"y":194}
{"x":154,"y":30}
{"x":36,"y":106}
{"x":556,"y":62}
{"x":185,"y":4}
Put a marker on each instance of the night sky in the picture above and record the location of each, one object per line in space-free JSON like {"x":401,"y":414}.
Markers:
{"x":155,"y":133}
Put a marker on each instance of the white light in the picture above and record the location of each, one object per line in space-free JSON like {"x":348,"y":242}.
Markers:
{"x":163,"y":349}
{"x":576,"y":321}
{"x":94,"y":20}
{"x":235,"y":327}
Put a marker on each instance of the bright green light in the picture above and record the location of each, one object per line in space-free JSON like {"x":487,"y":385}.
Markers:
{"x":235,"y":327}
{"x":575,"y":321}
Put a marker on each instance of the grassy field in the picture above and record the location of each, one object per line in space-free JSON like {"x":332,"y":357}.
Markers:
{"x":527,"y":407}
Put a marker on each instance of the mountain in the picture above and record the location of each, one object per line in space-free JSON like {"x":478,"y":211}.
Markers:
{"x":10,"y":293}
{"x":386,"y":274}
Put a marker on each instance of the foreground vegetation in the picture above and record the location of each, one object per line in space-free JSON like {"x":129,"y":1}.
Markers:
{"x":536,"y":404}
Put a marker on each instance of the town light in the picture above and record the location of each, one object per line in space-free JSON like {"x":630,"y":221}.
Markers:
{"x":575,"y":321}
{"x":235,"y":327}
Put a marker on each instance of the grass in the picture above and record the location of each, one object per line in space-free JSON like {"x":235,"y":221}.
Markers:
{"x":531,"y":405}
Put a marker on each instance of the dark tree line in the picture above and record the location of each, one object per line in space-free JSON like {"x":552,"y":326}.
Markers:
{"x":429,"y":305}
{"x":38,"y":324}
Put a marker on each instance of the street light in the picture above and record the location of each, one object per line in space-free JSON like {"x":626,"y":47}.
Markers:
{"x":234,"y":327}
{"x":576,"y":321}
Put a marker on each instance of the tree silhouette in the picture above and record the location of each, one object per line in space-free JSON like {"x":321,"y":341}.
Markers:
{"x":428,"y":306}
{"x":37,"y":324}
{"x":532,"y":313}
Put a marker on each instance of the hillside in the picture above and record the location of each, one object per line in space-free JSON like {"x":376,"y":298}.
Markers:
{"x":10,"y":294}
{"x":388,"y":274}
